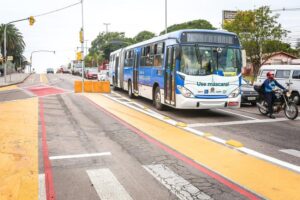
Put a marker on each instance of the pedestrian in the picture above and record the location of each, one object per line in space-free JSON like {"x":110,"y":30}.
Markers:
{"x":269,"y":86}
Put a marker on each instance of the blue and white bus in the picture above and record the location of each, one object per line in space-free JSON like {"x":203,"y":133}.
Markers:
{"x":186,"y":69}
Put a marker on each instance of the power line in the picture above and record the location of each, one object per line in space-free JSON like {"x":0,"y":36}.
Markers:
{"x":285,"y":9}
{"x":57,"y":10}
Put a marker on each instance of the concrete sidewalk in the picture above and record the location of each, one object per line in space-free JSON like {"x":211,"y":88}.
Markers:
{"x":13,"y":79}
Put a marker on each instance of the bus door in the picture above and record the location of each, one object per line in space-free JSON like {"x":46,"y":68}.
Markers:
{"x":170,"y":71}
{"x":136,"y":72}
{"x":116,"y":71}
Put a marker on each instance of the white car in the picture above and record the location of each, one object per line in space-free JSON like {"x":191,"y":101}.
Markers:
{"x":103,"y":75}
{"x":287,"y":75}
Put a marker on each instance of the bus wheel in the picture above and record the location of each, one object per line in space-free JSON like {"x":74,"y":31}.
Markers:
{"x":114,"y":85}
{"x":157,"y":99}
{"x":130,"y":93}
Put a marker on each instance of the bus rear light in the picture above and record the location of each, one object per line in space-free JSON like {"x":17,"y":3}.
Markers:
{"x":233,"y":103}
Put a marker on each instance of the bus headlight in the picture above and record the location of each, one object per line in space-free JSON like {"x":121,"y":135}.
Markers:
{"x":234,"y":93}
{"x":185,"y":92}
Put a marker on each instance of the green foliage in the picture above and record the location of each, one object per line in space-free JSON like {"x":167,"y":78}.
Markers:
{"x":142,"y":36}
{"x":15,"y":44}
{"x":259,"y":32}
{"x":195,"y":24}
{"x":104,"y":44}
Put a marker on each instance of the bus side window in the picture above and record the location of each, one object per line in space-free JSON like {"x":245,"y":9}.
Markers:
{"x":158,"y":54}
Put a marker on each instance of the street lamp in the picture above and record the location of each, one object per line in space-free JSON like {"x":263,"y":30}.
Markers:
{"x":31,"y":22}
{"x":47,"y":51}
{"x":106,"y":24}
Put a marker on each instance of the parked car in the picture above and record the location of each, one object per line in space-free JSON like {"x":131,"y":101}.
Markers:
{"x":249,"y":95}
{"x":50,"y":71}
{"x":287,"y":75}
{"x":91,"y":73}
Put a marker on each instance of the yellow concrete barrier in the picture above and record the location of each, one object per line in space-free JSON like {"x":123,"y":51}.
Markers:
{"x":92,"y":86}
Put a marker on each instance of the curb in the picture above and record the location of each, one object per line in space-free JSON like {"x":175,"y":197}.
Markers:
{"x":16,"y":83}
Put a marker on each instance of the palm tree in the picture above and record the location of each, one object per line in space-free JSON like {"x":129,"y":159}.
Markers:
{"x":15,"y":44}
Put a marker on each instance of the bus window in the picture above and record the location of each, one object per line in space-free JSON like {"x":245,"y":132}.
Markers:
{"x":158,"y":54}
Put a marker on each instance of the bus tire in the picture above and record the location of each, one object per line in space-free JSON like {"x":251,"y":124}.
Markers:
{"x":157,"y":99}
{"x":114,"y":85}
{"x":130,"y":92}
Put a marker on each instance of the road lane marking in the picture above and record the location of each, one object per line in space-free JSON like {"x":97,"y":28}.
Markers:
{"x":238,"y":122}
{"x":242,"y":169}
{"x":176,"y":184}
{"x":42,"y":189}
{"x":234,"y":113}
{"x":213,"y":138}
{"x":50,"y":193}
{"x":106,"y":185}
{"x":292,"y":152}
{"x":79,"y":156}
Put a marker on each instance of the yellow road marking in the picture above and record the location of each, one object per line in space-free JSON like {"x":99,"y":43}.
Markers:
{"x":11,"y":87}
{"x":264,"y":178}
{"x":19,"y":150}
{"x":43,"y":78}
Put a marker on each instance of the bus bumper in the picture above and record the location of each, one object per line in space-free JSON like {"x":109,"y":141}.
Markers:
{"x":195,"y":103}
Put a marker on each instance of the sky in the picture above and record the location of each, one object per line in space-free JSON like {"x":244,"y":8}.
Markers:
{"x":59,"y":31}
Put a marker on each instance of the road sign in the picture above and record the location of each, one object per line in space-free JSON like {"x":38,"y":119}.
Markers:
{"x":228,"y":15}
{"x":10,"y":58}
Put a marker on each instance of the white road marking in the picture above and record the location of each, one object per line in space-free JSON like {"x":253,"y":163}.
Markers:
{"x":292,"y":152}
{"x":106,"y":185}
{"x":276,"y":161}
{"x":175,"y":183}
{"x":234,"y":113}
{"x":42,"y":189}
{"x":238,"y":122}
{"x":213,"y":138}
{"x":79,"y":156}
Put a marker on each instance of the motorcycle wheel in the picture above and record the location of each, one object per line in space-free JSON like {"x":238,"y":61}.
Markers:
{"x":262,"y":111}
{"x":291,"y":110}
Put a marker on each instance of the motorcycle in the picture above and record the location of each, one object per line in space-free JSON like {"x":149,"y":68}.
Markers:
{"x":282,"y":101}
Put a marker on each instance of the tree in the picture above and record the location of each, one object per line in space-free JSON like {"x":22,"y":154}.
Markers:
{"x":195,"y":24}
{"x":272,"y":46}
{"x":105,"y":43}
{"x":142,"y":36}
{"x":256,"y":29}
{"x":15,"y":44}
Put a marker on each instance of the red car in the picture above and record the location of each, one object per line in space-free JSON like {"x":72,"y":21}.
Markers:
{"x":91,"y":73}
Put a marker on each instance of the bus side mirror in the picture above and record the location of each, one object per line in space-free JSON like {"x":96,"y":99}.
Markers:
{"x":244,"y":58}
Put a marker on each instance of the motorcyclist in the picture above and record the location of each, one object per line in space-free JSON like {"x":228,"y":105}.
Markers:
{"x":269,"y":86}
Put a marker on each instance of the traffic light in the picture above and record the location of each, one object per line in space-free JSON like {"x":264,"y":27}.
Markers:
{"x":78,"y":56}
{"x":31,"y":20}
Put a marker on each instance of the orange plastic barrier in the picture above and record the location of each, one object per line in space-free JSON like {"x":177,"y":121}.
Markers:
{"x":77,"y":86}
{"x":88,"y":86}
{"x":92,"y":86}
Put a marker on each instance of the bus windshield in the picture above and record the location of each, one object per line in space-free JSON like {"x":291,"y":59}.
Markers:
{"x":201,"y":61}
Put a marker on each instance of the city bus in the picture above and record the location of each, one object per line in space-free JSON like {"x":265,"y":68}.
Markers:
{"x":186,"y":69}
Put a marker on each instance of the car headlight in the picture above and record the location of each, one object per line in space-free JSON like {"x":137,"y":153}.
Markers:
{"x":185,"y":92}
{"x":234,"y":93}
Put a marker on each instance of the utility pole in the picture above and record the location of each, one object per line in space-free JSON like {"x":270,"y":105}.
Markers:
{"x":166,"y":16}
{"x":82,"y":46}
{"x":106,"y":26}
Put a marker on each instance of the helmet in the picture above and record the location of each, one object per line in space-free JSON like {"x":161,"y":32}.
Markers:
{"x":270,"y":74}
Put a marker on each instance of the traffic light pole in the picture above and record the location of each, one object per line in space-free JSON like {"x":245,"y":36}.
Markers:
{"x":82,"y":47}
{"x":4,"y":44}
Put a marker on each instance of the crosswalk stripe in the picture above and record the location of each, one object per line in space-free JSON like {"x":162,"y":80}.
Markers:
{"x":42,"y":189}
{"x":106,"y":185}
{"x":176,"y":184}
{"x":79,"y":156}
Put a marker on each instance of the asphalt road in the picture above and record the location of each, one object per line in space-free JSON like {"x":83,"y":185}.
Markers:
{"x":109,"y":159}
